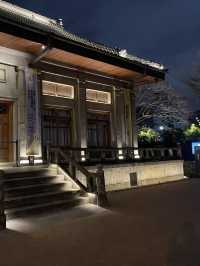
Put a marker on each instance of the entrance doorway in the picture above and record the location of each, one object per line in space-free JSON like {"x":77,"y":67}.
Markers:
{"x":5,"y":132}
{"x":57,"y":127}
{"x":99,"y":130}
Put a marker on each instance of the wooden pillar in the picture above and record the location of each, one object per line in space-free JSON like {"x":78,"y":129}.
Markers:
{"x":128,"y":118}
{"x":134,"y":126}
{"x":118,"y":120}
{"x":81,"y":116}
{"x":33,"y":122}
{"x":21,"y":87}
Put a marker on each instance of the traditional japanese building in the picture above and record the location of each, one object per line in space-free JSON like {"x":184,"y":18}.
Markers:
{"x":60,"y":90}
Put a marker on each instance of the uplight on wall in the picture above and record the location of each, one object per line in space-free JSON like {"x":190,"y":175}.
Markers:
{"x":136,"y":154}
{"x":83,"y":159}
{"x":27,"y":162}
{"x":23,"y":162}
{"x":120,"y":155}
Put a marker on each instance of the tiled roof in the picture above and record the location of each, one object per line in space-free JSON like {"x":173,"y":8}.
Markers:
{"x":48,"y":25}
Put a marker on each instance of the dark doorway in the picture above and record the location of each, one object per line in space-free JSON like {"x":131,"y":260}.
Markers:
{"x":99,"y":130}
{"x":57,"y":127}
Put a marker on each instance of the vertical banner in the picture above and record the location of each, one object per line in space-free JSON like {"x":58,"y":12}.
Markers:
{"x":32,"y":103}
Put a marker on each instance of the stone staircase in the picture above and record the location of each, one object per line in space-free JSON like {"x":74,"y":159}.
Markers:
{"x":37,"y":190}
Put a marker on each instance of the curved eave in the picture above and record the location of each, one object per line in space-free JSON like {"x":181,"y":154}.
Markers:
{"x":40,"y":36}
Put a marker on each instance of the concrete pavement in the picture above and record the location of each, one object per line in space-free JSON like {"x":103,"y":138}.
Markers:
{"x":158,"y":225}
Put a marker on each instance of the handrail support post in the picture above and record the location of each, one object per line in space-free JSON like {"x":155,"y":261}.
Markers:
{"x":2,"y":210}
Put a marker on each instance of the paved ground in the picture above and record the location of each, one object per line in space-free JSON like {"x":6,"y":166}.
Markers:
{"x":157,"y":225}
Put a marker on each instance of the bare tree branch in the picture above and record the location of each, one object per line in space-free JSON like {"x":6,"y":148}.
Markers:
{"x":160,"y":102}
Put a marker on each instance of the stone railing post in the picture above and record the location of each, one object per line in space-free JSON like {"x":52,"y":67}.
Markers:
{"x":102,"y":199}
{"x":179,"y":152}
{"x":2,"y":213}
{"x":171,"y":152}
{"x":162,"y":153}
{"x":48,"y":153}
{"x":197,"y":161}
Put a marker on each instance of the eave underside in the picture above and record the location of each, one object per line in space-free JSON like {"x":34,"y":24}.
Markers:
{"x":76,"y":60}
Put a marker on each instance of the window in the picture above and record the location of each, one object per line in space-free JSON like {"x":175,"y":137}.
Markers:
{"x":2,"y":75}
{"x":98,"y":96}
{"x":57,"y":90}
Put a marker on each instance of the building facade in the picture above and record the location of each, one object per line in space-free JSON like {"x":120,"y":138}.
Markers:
{"x":59,"y":89}
{"x":62,"y":91}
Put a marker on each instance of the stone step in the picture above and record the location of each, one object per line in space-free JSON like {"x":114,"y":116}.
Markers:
{"x":34,"y":189}
{"x":44,"y":208}
{"x":21,"y":174}
{"x":31,"y":200}
{"x":38,"y":190}
{"x":31,"y":180}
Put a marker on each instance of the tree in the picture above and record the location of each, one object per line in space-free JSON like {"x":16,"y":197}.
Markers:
{"x":162,"y":103}
{"x":148,"y":136}
{"x":172,"y":136}
{"x":193,"y":132}
{"x":194,"y":80}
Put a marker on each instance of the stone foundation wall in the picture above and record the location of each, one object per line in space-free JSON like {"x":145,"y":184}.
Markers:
{"x":118,"y":176}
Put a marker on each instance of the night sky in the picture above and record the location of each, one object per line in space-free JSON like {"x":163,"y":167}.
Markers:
{"x":167,"y":31}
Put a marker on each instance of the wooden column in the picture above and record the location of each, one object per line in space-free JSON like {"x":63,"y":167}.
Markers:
{"x":114,"y":119}
{"x":33,"y":113}
{"x":21,"y":87}
{"x":118,"y":118}
{"x":128,"y":118}
{"x":81,"y":115}
{"x":134,"y":126}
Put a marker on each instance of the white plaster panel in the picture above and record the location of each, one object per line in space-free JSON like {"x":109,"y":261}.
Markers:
{"x":118,"y":176}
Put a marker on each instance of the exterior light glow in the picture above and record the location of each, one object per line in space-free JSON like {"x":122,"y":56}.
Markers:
{"x":38,"y":161}
{"x":120,"y":152}
{"x":83,"y":159}
{"x":136,"y":152}
{"x":82,"y":153}
{"x":137,"y":156}
{"x":24,"y":161}
{"x":121,"y":157}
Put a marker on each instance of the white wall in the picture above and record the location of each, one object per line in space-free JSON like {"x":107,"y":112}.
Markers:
{"x":16,"y":64}
{"x":118,"y":176}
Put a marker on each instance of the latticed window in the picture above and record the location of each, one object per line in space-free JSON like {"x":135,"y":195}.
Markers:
{"x":98,"y":96}
{"x":98,"y":130}
{"x":57,"y":127}
{"x":57,"y":89}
